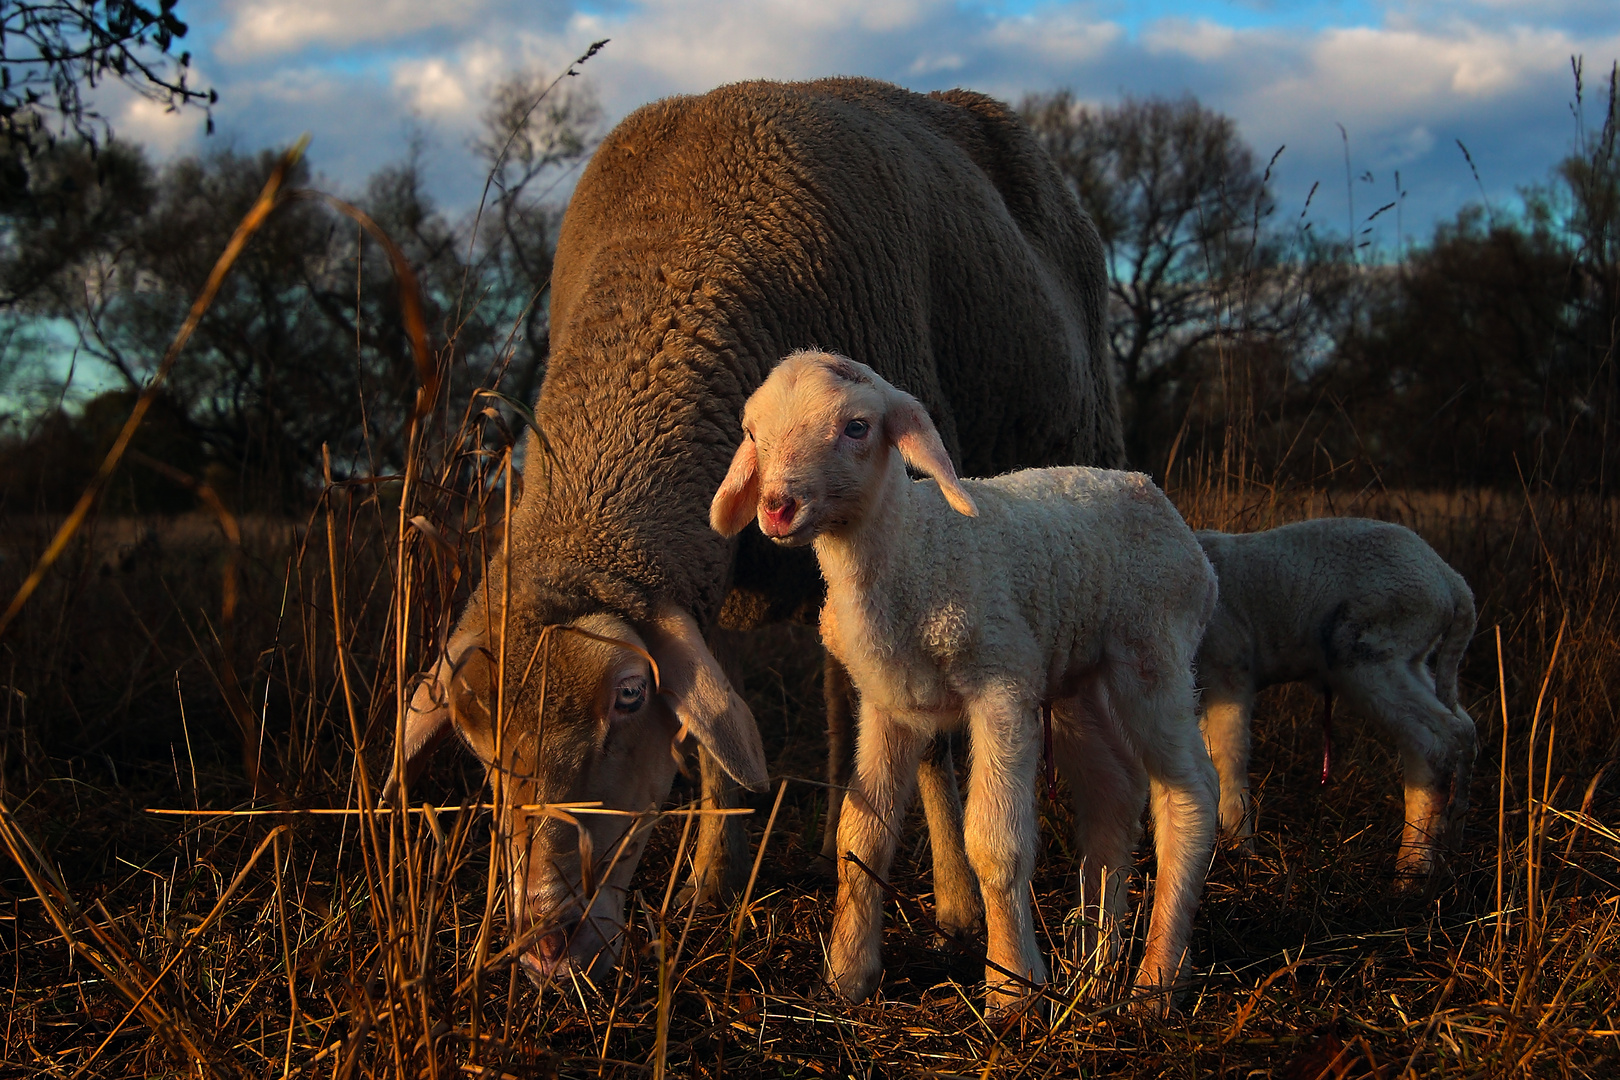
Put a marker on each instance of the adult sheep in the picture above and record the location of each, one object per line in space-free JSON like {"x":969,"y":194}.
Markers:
{"x":708,"y":237}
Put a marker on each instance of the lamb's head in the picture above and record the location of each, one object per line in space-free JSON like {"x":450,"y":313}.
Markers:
{"x":821,"y":437}
{"x":594,"y":710}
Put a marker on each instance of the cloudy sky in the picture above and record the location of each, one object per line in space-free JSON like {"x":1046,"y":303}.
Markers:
{"x":1406,"y":80}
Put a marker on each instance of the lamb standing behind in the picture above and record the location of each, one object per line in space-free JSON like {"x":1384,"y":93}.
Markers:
{"x":985,"y":601}
{"x":1359,"y":609}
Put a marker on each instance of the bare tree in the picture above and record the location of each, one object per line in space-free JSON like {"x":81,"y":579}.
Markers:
{"x":51,"y":51}
{"x":1179,"y":202}
{"x":537,"y":130}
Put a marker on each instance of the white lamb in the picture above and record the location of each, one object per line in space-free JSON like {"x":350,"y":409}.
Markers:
{"x":1362,"y":610}
{"x":984,"y":602}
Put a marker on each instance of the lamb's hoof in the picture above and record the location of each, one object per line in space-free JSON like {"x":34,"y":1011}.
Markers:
{"x":1153,"y":1000}
{"x":856,"y":982}
{"x":956,"y":930}
{"x":705,"y":886}
{"x":1005,"y":1000}
{"x":1415,"y":878}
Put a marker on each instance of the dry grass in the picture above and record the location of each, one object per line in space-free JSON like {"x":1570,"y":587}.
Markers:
{"x":210,"y":665}
{"x":350,"y":952}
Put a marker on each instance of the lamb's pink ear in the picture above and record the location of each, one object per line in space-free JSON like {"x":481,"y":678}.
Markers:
{"x":737,"y":501}
{"x":702,"y":696}
{"x":909,"y":428}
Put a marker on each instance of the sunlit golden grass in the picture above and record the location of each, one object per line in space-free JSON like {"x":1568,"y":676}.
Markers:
{"x":1306,"y":965}
{"x":207,"y":664}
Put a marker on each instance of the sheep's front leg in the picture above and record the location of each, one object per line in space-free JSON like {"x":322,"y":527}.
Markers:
{"x":956,"y":893}
{"x":721,"y":851}
{"x":886,"y":753}
{"x":1001,"y":837}
{"x":1227,"y":725}
{"x":720,"y":856}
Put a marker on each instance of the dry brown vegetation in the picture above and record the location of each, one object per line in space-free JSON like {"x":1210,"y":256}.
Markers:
{"x":244,"y":677}
{"x":294,"y":942}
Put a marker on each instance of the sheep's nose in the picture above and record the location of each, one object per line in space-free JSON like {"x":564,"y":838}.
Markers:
{"x":779,"y":514}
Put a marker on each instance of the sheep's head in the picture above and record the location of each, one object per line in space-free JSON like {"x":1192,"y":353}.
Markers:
{"x":820,"y":436}
{"x":587,"y":719}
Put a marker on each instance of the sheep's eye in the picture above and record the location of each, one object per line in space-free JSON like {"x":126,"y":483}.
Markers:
{"x":857,"y":429}
{"x":631,"y":695}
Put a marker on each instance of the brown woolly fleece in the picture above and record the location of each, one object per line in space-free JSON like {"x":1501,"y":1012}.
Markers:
{"x":928,"y":237}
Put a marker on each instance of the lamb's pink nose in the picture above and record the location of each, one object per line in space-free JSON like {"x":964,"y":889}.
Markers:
{"x":779,"y":517}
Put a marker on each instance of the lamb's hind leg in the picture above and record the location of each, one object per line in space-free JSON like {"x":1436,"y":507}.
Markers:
{"x":1227,"y":723}
{"x":1160,"y":714}
{"x":1108,"y":789}
{"x":840,"y":695}
{"x":1001,"y":838}
{"x":956,"y":892}
{"x":1437,"y":747}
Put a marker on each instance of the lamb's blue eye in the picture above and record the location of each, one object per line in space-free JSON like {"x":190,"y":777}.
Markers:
{"x":857,"y":429}
{"x":631,"y":695}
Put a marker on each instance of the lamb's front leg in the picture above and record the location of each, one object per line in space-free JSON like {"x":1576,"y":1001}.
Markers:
{"x":886,"y":753}
{"x":1001,"y":837}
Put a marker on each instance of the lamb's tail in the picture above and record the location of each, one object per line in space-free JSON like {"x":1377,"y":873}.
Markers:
{"x":1448,"y":658}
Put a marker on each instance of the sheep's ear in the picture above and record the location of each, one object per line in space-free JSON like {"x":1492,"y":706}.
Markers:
{"x":427,"y":723}
{"x":911,"y":431}
{"x":737,"y":501}
{"x":447,"y":699}
{"x":704,"y":701}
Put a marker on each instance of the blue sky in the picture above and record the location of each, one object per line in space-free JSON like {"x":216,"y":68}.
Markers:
{"x":1406,"y":80}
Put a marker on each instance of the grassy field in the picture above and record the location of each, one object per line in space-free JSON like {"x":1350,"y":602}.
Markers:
{"x":161,"y":664}
{"x":196,"y":711}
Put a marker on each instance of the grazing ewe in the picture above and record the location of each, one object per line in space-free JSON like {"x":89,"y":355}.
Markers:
{"x":1364,"y":611}
{"x":708,"y":236}
{"x":986,"y":602}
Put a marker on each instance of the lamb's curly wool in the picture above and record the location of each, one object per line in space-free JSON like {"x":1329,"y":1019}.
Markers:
{"x":980,"y":603}
{"x":708,"y":236}
{"x":1366,"y":612}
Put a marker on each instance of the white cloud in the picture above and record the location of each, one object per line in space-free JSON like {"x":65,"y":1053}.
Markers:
{"x":1202,"y":40}
{"x":266,"y":27}
{"x":1406,"y":83}
{"x":154,"y":126}
{"x":1058,"y":39}
{"x":453,"y":88}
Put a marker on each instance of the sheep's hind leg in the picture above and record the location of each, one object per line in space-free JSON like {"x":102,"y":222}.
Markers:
{"x":957,"y":911}
{"x":1108,"y":789}
{"x":1184,"y":795}
{"x":1001,"y":840}
{"x":874,"y":810}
